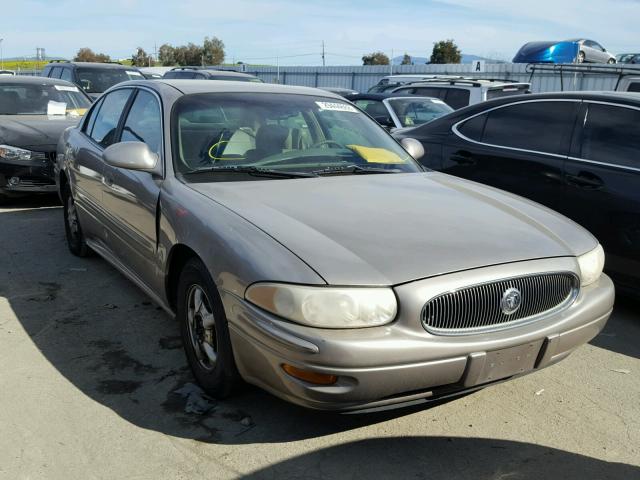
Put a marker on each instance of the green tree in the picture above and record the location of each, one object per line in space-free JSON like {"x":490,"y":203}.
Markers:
{"x":141,"y":58}
{"x":375,"y":58}
{"x":87,"y":55}
{"x":167,"y":55}
{"x":406,"y":60}
{"x":445,"y":51}
{"x":213,"y":51}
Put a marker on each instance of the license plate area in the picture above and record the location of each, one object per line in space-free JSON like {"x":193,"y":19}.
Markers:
{"x":506,"y":362}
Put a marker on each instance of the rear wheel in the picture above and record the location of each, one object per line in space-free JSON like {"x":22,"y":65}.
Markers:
{"x":581,"y":57}
{"x":75,"y":238}
{"x":205,"y":333}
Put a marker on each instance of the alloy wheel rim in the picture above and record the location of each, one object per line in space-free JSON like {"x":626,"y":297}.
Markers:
{"x":202,"y":327}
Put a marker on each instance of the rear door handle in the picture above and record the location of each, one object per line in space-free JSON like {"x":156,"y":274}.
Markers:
{"x":462,"y":158}
{"x":586,"y":180}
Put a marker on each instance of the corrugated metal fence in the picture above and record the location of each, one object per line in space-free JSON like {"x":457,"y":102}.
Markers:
{"x":361,"y":78}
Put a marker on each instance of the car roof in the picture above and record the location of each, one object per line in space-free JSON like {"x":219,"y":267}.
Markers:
{"x":189,"y":86}
{"x":92,"y":64}
{"x":463,"y":82}
{"x":29,"y":80}
{"x":222,"y":73}
{"x":382,"y":96}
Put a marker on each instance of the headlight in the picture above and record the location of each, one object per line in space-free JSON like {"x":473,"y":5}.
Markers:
{"x":14,"y":153}
{"x":591,"y":265}
{"x":326,"y":307}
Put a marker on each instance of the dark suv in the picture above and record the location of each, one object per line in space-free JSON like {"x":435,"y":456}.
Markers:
{"x":204,"y":73}
{"x":93,"y":78}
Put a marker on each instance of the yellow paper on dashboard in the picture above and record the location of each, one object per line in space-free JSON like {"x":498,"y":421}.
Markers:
{"x":376,"y":155}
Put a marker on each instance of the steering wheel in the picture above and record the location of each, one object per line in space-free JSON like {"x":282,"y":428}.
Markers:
{"x":327,"y":142}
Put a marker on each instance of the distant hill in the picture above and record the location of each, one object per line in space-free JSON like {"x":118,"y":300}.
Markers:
{"x":465,"y":59}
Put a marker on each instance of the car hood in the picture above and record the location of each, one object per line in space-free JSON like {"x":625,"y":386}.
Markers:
{"x":393,"y":228}
{"x":34,"y":131}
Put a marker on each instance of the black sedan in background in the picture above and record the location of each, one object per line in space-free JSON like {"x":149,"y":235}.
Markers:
{"x":577,"y":153}
{"x":34,"y":111}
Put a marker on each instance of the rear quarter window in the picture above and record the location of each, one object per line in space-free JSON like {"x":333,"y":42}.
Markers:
{"x":634,"y":87}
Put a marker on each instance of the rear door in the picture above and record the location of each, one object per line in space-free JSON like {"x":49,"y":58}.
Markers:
{"x":85,"y":161}
{"x":518,"y":147}
{"x":131,"y":197}
{"x":603,"y":182}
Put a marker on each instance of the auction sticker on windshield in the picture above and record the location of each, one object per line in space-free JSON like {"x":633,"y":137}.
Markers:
{"x":65,"y":88}
{"x":336,"y":107}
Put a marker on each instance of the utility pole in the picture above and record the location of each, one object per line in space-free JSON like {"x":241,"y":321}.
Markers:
{"x":323,"y":62}
{"x":391,"y":63}
{"x":1,"y":56}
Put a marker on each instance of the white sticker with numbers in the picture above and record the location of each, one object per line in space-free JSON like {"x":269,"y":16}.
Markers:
{"x":336,"y":107}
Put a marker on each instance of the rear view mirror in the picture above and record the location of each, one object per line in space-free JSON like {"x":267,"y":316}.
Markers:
{"x":133,"y":156}
{"x":413,"y":147}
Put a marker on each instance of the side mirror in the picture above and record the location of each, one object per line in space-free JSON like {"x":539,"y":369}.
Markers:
{"x":133,"y":156}
{"x":413,"y":147}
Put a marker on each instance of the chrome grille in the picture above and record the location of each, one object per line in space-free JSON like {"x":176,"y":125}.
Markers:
{"x":480,"y":307}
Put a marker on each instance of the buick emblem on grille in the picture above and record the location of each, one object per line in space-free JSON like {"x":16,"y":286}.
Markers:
{"x":511,"y":301}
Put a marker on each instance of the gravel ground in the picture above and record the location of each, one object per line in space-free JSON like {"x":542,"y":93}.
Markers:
{"x":89,"y":368}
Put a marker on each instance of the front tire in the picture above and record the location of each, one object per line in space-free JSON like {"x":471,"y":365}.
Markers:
{"x":205,"y":332}
{"x":75,"y":238}
{"x":611,"y":61}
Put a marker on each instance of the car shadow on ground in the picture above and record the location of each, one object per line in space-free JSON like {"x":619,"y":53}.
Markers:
{"x":105,"y":337}
{"x":446,"y":458}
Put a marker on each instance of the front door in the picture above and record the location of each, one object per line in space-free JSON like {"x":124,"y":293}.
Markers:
{"x":520,"y":148}
{"x":131,"y":197}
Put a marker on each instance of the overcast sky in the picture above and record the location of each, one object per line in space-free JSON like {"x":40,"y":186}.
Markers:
{"x":258,"y":31}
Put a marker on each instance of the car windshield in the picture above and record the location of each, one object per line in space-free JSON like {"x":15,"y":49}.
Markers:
{"x":281,"y":133}
{"x":41,"y":99}
{"x":417,"y":111}
{"x":97,"y":80}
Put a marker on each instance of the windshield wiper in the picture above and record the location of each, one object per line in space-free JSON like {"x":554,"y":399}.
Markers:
{"x":354,"y":170}
{"x":256,"y":171}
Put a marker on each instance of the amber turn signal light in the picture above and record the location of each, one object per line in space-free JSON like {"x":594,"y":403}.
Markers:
{"x":309,"y":376}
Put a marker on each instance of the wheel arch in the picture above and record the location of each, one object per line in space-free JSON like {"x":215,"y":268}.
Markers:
{"x":178,"y":257}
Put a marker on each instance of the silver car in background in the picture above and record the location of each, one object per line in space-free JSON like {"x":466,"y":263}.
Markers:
{"x":303,"y":250}
{"x":591,"y":51}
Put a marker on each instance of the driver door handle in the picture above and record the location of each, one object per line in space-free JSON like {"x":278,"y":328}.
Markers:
{"x":585,"y":180}
{"x":462,"y":158}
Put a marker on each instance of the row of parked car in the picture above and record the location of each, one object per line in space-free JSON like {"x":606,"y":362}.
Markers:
{"x":306,"y":251}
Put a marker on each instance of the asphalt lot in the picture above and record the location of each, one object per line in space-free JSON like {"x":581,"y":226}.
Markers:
{"x":89,"y":367}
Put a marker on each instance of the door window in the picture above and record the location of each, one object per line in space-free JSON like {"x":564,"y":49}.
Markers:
{"x":106,"y":123}
{"x":538,"y":126}
{"x":143,"y":122}
{"x":611,"y":134}
{"x":55,"y":72}
{"x":457,"y":98}
{"x":66,"y":75}
{"x":634,"y":86}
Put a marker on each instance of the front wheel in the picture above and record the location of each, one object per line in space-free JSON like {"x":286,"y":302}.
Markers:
{"x":75,"y":238}
{"x":204,"y":330}
{"x":611,"y":61}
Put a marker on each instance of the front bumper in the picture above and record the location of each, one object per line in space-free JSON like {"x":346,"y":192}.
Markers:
{"x":34,"y":176}
{"x":402,"y":363}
